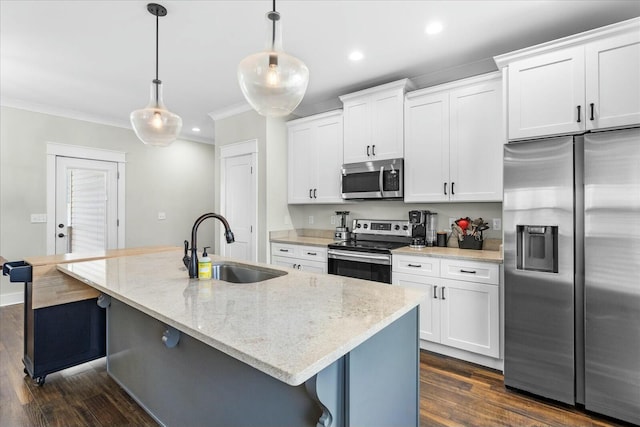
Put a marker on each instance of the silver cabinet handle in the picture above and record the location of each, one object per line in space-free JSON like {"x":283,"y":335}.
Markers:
{"x":435,"y":292}
{"x":373,"y":150}
{"x":442,"y":293}
{"x":299,"y":267}
{"x":368,"y":153}
{"x":295,"y":265}
{"x":315,"y":191}
{"x":310,"y":190}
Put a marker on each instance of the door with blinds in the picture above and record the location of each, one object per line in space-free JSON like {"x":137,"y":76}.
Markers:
{"x":86,"y":205}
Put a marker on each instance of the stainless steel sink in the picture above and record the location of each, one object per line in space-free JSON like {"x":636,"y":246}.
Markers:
{"x":243,"y":273}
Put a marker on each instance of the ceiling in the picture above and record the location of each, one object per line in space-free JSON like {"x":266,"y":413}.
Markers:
{"x":94,"y":60}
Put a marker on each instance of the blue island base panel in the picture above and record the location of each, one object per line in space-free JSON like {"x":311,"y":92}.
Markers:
{"x":193,"y":384}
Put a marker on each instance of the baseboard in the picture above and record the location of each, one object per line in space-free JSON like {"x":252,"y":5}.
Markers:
{"x":11,"y":298}
{"x":478,"y":359}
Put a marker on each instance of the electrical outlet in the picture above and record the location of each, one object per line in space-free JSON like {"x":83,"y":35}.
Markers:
{"x":333,"y":220}
{"x":497,"y":224}
{"x":162,"y":215}
{"x":310,"y":219}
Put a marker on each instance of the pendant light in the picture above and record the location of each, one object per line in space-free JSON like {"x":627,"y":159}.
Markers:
{"x":154,"y":124}
{"x":272,"y":81}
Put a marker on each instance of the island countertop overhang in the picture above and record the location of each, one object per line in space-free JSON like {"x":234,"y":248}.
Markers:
{"x":290,"y":327}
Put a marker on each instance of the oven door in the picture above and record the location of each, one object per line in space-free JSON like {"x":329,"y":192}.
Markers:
{"x":360,"y":265}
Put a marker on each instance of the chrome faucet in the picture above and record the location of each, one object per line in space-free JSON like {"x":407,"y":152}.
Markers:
{"x":191,"y":262}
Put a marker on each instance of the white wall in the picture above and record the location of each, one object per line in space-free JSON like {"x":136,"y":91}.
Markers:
{"x":177,"y":180}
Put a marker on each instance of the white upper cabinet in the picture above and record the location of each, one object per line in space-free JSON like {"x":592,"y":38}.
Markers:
{"x":613,"y":81}
{"x":588,"y":81}
{"x":426,"y":164}
{"x":374,"y":122}
{"x":546,"y":94}
{"x":315,"y":159}
{"x":454,"y":135}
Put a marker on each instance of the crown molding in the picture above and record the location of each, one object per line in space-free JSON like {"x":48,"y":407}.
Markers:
{"x":232,"y":110}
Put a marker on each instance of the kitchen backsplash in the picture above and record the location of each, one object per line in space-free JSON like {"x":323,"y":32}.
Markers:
{"x":300,"y":214}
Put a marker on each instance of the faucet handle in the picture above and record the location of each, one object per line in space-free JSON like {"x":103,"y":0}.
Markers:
{"x":186,"y":247}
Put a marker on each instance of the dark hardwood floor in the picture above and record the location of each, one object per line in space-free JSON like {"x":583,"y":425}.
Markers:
{"x":452,"y":393}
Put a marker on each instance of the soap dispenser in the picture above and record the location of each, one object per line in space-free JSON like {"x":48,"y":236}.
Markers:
{"x":204,"y":265}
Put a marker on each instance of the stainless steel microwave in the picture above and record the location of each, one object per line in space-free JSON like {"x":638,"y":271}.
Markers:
{"x":379,"y":179}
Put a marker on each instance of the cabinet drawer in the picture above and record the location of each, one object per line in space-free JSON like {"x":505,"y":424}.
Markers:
{"x":313,"y":253}
{"x":283,"y":249}
{"x":470,"y":271}
{"x":420,"y":265}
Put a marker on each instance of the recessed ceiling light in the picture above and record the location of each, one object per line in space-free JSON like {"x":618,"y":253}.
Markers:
{"x":433,"y":28}
{"x":195,"y":129}
{"x":356,"y":55}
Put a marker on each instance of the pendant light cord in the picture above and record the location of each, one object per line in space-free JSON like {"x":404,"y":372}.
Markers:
{"x":273,"y":28}
{"x":157,"y":31}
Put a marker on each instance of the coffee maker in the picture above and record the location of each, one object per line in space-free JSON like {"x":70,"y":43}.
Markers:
{"x":423,"y":228}
{"x":342,"y":231}
{"x":417,"y":222}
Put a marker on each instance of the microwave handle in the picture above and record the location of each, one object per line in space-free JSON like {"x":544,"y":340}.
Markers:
{"x":381,"y":181}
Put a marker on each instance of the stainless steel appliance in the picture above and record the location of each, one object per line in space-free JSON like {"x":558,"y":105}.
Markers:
{"x":368,"y":254}
{"x":571,"y":261}
{"x":417,"y":222}
{"x":342,"y":231}
{"x":379,"y":179}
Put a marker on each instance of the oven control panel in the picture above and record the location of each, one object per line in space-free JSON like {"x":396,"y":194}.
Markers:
{"x":382,"y":227}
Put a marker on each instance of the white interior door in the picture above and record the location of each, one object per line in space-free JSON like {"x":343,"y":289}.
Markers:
{"x":238,"y":206}
{"x":86,"y":205}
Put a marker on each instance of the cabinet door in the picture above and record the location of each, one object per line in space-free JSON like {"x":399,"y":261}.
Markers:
{"x":429,"y":307}
{"x":470,"y":316}
{"x":328,"y":140}
{"x":357,"y":130}
{"x":476,"y":143}
{"x":387,"y":125}
{"x":427,"y":148}
{"x":545,"y":94}
{"x":613,"y":81}
{"x":302,"y":164}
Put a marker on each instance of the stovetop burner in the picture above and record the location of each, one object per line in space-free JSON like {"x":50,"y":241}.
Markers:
{"x":368,"y":246}
{"x":376,"y":236}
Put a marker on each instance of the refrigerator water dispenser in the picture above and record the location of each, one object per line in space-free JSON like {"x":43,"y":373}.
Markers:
{"x":537,"y":248}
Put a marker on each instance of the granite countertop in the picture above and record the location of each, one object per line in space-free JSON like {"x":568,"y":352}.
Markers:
{"x":290,"y":327}
{"x":37,"y":261}
{"x":303,"y":240}
{"x":310,"y":237}
{"x":454,"y":253}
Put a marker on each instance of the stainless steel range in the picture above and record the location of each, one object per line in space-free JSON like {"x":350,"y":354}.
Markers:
{"x":368,"y":254}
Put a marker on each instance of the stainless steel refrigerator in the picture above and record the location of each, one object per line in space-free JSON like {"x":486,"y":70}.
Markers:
{"x":571,"y":213}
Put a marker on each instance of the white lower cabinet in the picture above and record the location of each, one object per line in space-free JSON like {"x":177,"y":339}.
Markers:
{"x":462,"y":305}
{"x":307,"y":258}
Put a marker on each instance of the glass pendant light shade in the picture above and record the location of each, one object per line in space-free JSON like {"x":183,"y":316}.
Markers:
{"x":154,"y":124}
{"x":272,"y":81}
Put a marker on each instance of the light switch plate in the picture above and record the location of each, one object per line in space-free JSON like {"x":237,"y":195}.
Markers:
{"x":497,"y":224}
{"x":38,"y":218}
{"x":310,"y":219}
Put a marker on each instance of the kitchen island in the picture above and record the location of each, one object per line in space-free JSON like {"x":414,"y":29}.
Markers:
{"x":300,"y":349}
